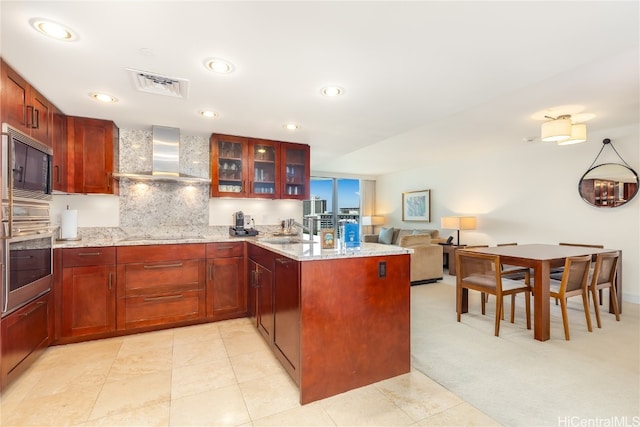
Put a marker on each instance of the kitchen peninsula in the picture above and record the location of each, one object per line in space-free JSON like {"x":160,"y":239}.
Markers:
{"x":335,"y":319}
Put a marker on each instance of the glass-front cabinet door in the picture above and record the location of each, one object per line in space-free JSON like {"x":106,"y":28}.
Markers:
{"x":229,"y":166}
{"x":295,"y":171}
{"x":264,"y":171}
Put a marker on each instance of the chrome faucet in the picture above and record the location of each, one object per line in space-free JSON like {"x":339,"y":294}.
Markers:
{"x":310,"y":229}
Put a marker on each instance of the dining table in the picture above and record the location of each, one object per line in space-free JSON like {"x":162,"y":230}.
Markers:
{"x":541,"y":258}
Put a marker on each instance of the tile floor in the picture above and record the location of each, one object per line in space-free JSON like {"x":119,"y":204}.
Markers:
{"x":217,"y":374}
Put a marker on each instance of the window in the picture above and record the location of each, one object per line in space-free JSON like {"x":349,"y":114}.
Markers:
{"x":326,"y":193}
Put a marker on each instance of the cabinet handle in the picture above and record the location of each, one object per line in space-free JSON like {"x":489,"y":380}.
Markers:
{"x":89,"y":253}
{"x":110,"y":280}
{"x":20,"y":171}
{"x":210,"y":272}
{"x":30,"y":312}
{"x":149,"y":267}
{"x":108,"y":182}
{"x":35,"y":124}
{"x":163,"y":298}
{"x":28,"y":114}
{"x":57,"y":168}
{"x":225,"y":247}
{"x":284,"y":261}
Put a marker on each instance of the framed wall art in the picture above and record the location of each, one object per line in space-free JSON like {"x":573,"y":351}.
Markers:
{"x":416,"y":205}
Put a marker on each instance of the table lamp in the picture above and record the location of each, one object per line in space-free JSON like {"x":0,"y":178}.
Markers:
{"x":458,"y":223}
{"x":372,"y":221}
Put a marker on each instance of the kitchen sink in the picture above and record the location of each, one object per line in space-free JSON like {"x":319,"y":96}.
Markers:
{"x":284,"y":240}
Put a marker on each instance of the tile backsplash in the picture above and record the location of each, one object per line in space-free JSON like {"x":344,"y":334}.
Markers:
{"x":162,"y":203}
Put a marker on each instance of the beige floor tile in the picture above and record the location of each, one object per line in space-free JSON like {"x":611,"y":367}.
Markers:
{"x":311,"y":415}
{"x":270,"y":395}
{"x":194,"y":352}
{"x":207,"y":331}
{"x":417,"y":395}
{"x":259,"y":364}
{"x":132,"y":393}
{"x":69,"y":407}
{"x":462,"y":414}
{"x":243,"y":340}
{"x":220,"y":407}
{"x":71,"y":377}
{"x":141,"y":357}
{"x":197,"y":378}
{"x":71,"y":354}
{"x":154,"y":415}
{"x":365,"y":406}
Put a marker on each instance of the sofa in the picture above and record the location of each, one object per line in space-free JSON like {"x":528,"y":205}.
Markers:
{"x":426,"y":259}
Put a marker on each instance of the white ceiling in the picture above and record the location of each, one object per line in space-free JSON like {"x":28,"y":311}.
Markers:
{"x":424,"y":81}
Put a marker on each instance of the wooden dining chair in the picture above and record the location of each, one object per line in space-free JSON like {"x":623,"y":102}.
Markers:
{"x":604,"y":277}
{"x":481,"y":272}
{"x":575,"y":282}
{"x":556,"y":273}
{"x":513,"y":271}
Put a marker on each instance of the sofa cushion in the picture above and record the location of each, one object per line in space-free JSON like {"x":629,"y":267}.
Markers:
{"x":386,"y":235}
{"x":415,"y":239}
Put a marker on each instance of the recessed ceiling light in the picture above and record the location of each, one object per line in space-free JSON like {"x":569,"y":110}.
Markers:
{"x":332,"y":91}
{"x":291,"y":126}
{"x":53,"y":29}
{"x":103,"y":97}
{"x":209,"y":114}
{"x":218,"y":65}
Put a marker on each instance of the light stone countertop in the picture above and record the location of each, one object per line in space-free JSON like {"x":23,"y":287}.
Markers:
{"x":300,"y":251}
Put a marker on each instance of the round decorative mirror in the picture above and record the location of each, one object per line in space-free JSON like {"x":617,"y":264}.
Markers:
{"x":608,"y":185}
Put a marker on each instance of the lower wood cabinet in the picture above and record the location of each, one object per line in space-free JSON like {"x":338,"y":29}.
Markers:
{"x":160,"y":285}
{"x":226,"y":284}
{"x":25,"y":334}
{"x":88,"y":292}
{"x":286,"y":308}
{"x":260,"y":267}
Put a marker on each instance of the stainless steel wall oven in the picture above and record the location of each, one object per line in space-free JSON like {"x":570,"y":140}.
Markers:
{"x":26,"y":230}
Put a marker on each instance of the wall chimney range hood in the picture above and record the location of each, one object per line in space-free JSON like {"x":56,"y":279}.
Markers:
{"x":166,"y":160}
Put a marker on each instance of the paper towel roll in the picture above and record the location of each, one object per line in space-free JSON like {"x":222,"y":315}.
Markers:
{"x":69,"y":224}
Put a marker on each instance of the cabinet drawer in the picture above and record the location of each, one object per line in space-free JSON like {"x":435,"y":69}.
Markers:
{"x":82,"y":257}
{"x":153,"y":253}
{"x":145,"y":278}
{"x":225,"y":250}
{"x":163,"y":308}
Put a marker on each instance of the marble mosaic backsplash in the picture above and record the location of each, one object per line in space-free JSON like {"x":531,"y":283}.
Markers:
{"x":162,"y":204}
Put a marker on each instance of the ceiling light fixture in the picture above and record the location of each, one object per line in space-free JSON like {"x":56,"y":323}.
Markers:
{"x":209,"y":114}
{"x":52,"y":29}
{"x":291,"y":126}
{"x":219,"y":66}
{"x":332,"y":91}
{"x":103,"y":97}
{"x":563,"y":131}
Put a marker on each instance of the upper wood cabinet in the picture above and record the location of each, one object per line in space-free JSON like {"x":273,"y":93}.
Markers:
{"x":60,"y":151}
{"x":23,"y":107}
{"x":251,"y":167}
{"x":93,"y":156}
{"x":295,"y":171}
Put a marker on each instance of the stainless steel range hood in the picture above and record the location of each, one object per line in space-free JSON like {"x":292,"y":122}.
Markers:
{"x":166,"y":160}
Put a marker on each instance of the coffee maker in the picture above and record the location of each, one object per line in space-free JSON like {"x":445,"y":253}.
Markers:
{"x":238,"y":227}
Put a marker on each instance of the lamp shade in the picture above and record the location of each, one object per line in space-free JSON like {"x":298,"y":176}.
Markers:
{"x":556,"y":130}
{"x":373,"y":220}
{"x":578,"y":134}
{"x":458,"y":222}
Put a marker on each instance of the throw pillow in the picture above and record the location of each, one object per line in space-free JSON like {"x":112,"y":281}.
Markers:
{"x":386,"y":235}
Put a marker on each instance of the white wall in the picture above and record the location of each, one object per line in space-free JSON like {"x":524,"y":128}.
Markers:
{"x":528,"y":194}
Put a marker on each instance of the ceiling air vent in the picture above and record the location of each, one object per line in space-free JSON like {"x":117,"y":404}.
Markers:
{"x":158,"y":84}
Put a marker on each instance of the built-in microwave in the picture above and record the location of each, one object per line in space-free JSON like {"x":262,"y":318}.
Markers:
{"x":26,"y":167}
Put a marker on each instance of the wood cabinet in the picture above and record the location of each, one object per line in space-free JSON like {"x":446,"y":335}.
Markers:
{"x":88,"y":292}
{"x":252,"y":167}
{"x":23,"y":107}
{"x":60,"y":151}
{"x":25,"y":334}
{"x":160,"y":285}
{"x":286,"y":318}
{"x":295,"y":171}
{"x":261,"y":265}
{"x":93,"y":156}
{"x":226,"y":283}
